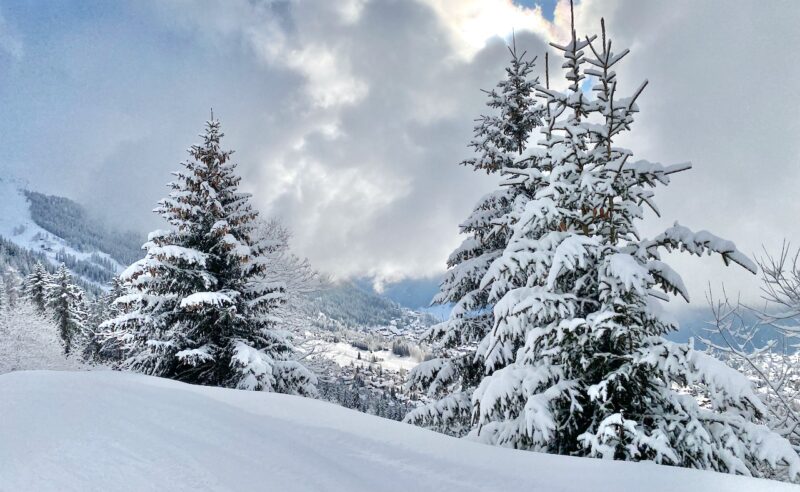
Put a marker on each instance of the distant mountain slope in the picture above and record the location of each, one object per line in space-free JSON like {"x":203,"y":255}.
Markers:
{"x":413,"y":293}
{"x":351,"y":306}
{"x":69,"y":221}
{"x":354,"y":306}
{"x":56,"y":230}
{"x":104,"y":430}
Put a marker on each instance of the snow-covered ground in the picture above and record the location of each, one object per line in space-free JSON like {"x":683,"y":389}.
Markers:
{"x":345,"y":354}
{"x":103,"y":431}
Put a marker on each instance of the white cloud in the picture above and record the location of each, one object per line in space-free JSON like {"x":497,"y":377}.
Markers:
{"x":350,"y":118}
{"x":348,"y":189}
{"x":329,"y":82}
{"x":471,"y":24}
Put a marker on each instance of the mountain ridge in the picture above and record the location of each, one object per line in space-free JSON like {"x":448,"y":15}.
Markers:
{"x":57,"y":230}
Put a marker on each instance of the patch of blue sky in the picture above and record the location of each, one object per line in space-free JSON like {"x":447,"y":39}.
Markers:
{"x":548,"y":6}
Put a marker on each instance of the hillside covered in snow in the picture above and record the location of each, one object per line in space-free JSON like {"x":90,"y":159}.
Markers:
{"x":55,"y":230}
{"x":120,"y":431}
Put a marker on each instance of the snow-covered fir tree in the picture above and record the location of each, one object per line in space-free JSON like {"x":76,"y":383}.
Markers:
{"x":576,"y":361}
{"x":201,"y":309}
{"x":12,"y":290}
{"x":36,"y":285}
{"x":99,"y":309}
{"x":65,"y":301}
{"x":109,"y":344}
{"x":499,"y":141}
{"x":4,"y":304}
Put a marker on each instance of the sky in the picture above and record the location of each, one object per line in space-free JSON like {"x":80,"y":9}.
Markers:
{"x":349,"y":118}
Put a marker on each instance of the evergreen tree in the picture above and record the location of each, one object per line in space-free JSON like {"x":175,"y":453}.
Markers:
{"x":500,"y":140}
{"x":108,"y":307}
{"x":201,"y":309}
{"x":4,"y":304}
{"x":98,"y":310}
{"x":35,"y":287}
{"x":577,"y":361}
{"x":12,"y":286}
{"x":66,"y":303}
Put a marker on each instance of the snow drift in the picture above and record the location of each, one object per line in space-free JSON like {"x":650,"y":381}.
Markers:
{"x":105,"y":430}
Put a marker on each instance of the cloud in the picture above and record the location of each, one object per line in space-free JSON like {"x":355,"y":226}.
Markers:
{"x":362,"y":159}
{"x":471,"y":24}
{"x":349,"y":118}
{"x":718,"y":96}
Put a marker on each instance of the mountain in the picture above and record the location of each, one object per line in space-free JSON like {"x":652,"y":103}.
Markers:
{"x":103,"y":430}
{"x":53,"y":229}
{"x":346,"y":304}
{"x":413,"y":293}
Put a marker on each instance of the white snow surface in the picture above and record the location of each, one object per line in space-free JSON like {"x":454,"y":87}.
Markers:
{"x":345,"y":354}
{"x":103,"y":430}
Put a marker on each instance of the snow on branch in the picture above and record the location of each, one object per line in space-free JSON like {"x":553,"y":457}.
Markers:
{"x":697,"y":243}
{"x":206,"y":299}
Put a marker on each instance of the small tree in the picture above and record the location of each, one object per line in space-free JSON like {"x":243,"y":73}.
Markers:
{"x":36,"y":285}
{"x":30,"y":340}
{"x":4,"y":304}
{"x":500,"y":140}
{"x":12,"y":286}
{"x":202,"y":310}
{"x":110,"y":306}
{"x":282,"y":267}
{"x":66,"y":303}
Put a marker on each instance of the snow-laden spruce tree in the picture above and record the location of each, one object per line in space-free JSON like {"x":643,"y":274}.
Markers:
{"x":65,"y":301}
{"x":4,"y":303}
{"x":499,"y":141}
{"x":576,"y":361}
{"x":35,"y":287}
{"x":109,"y":343}
{"x":100,"y":308}
{"x":12,"y":281}
{"x":201,"y":310}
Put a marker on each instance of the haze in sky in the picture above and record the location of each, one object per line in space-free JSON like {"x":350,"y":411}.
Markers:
{"x":349,"y":118}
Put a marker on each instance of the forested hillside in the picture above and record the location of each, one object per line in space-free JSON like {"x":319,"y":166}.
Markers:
{"x":70,"y":221}
{"x":55,"y":230}
{"x":352,"y":306}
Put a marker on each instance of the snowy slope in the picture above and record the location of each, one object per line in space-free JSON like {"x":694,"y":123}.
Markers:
{"x":18,"y":226}
{"x":113,"y":431}
{"x":345,"y":354}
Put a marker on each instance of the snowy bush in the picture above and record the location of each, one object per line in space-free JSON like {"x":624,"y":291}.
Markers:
{"x":29,"y":340}
{"x":761,"y":342}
